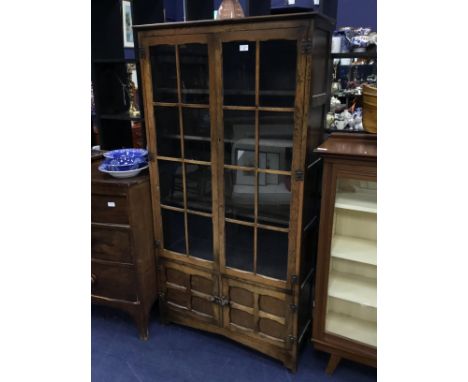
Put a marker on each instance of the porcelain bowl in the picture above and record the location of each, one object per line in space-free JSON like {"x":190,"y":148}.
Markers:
{"x":124,"y":163}
{"x":122,"y":174}
{"x":127,"y":153}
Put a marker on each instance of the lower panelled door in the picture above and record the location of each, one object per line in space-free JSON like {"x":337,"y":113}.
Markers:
{"x":259,"y":313}
{"x":188,"y":293}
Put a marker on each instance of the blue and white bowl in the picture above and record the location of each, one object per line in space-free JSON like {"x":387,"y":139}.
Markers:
{"x":127,"y":153}
{"x":103,"y":167}
{"x":124,"y":163}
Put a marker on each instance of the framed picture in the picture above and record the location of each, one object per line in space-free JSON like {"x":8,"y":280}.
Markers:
{"x":127,"y":24}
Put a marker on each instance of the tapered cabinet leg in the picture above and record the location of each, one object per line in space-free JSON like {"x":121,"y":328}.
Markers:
{"x":332,"y":363}
{"x":141,"y":320}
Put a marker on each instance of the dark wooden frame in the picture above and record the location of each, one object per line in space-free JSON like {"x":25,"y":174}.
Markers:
{"x":352,"y":156}
{"x":311,"y":95}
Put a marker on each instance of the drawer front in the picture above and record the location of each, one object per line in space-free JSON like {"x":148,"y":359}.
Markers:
{"x":111,"y":243}
{"x":113,"y":281}
{"x":109,"y":209}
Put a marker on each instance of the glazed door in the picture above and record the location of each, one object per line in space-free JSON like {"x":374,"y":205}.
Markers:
{"x":260,"y":125}
{"x":348,"y":301}
{"x":177,"y":82}
{"x":261,"y":118}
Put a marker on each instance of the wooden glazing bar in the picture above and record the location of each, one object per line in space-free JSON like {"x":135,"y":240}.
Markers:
{"x":257,"y":138}
{"x":277,"y":109}
{"x":216,"y":197}
{"x":273,"y":228}
{"x":261,"y":108}
{"x":180,"y":160}
{"x":260,"y":170}
{"x":240,"y":168}
{"x":171,"y":159}
{"x":199,"y":213}
{"x":218,"y":212}
{"x":259,"y":225}
{"x":188,"y":105}
{"x":193,"y":212}
{"x":241,"y":222}
{"x":166,"y":104}
{"x":171,"y":208}
{"x":181,"y":125}
{"x":199,"y":162}
{"x":270,"y":171}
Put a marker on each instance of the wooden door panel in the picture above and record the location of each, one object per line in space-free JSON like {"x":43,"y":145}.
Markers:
{"x":190,"y":291}
{"x":257,"y":312}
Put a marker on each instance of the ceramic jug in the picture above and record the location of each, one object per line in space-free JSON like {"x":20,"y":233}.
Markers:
{"x":230,"y":9}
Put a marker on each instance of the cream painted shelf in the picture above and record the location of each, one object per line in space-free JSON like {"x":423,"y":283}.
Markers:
{"x":352,"y":328}
{"x":363,"y":201}
{"x":354,"y":249}
{"x":360,"y":290}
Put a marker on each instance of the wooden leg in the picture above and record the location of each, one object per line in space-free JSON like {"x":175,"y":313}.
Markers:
{"x":163,"y":312}
{"x":291,"y":366}
{"x":332,"y":363}
{"x":141,"y":320}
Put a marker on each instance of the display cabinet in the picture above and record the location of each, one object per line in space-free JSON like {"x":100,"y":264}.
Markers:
{"x":345,"y":311}
{"x":237,"y":108}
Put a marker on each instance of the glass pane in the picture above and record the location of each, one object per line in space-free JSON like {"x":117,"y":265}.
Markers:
{"x":272,"y":254}
{"x":352,"y":281}
{"x":276,"y":140}
{"x":274,"y":198}
{"x":239,"y":246}
{"x":170,"y":183}
{"x":239,"y":138}
{"x":197,"y":135}
{"x":198,"y":180}
{"x":278,"y":72}
{"x":167,"y":131}
{"x":164,"y":73}
{"x":239,"y":191}
{"x":194,"y":73}
{"x":173,"y":230}
{"x":200,"y":232}
{"x":239,"y":73}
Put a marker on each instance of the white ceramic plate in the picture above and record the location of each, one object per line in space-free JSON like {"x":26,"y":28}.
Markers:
{"x":122,"y":174}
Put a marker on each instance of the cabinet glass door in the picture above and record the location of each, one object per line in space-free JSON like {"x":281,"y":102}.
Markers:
{"x":259,"y":88}
{"x":352,"y":283}
{"x":181,"y":102}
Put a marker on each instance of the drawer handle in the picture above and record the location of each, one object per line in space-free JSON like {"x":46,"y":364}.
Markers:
{"x":93,"y":279}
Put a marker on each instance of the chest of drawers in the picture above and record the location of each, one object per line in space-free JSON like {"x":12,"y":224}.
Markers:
{"x":123,"y":272}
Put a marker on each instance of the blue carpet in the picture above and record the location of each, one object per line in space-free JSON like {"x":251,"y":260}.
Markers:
{"x":175,"y":353}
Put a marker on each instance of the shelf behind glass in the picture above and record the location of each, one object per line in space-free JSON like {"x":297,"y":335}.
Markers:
{"x":361,"y":290}
{"x":357,"y":201}
{"x":353,"y":328}
{"x":354,"y":249}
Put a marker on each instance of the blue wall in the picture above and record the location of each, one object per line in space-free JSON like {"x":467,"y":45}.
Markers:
{"x":351,"y":13}
{"x":357,"y":13}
